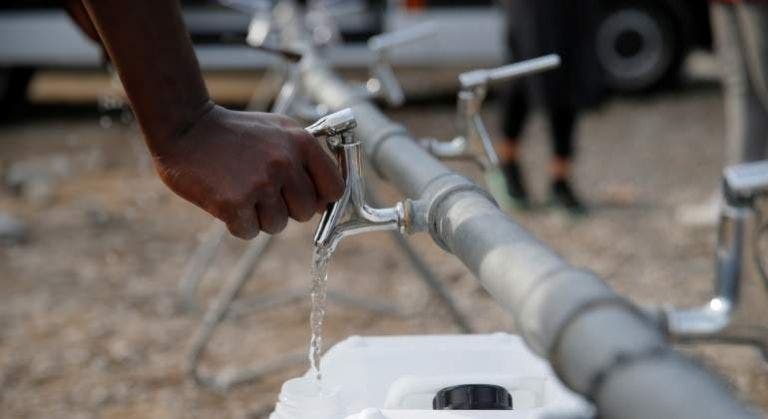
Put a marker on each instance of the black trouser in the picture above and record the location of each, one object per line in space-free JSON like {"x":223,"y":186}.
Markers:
{"x":562,"y":119}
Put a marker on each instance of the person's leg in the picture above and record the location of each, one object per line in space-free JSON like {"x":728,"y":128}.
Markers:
{"x":514,"y":105}
{"x":753,"y":25}
{"x":515,"y":113}
{"x":562,"y":123}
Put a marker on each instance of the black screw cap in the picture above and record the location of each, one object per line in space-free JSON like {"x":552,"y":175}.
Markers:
{"x":473,"y":397}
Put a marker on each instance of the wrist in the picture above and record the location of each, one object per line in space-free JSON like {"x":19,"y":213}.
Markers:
{"x":169,"y":138}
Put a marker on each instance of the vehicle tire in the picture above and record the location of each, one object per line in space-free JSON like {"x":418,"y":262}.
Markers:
{"x":14,"y":83}
{"x":638,"y":47}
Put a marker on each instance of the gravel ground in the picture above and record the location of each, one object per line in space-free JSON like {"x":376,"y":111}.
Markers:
{"x":91,"y":323}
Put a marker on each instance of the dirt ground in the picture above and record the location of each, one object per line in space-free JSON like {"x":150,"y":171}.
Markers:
{"x":91,"y":324}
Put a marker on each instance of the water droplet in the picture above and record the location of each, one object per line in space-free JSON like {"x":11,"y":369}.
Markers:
{"x":105,"y":121}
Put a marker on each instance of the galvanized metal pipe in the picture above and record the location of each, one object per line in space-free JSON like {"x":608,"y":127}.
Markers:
{"x":599,"y":344}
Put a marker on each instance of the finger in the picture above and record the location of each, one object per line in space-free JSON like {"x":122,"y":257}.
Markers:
{"x":323,"y":207}
{"x":299,"y":196}
{"x":272,"y":213}
{"x":325,"y":176}
{"x":244,"y":223}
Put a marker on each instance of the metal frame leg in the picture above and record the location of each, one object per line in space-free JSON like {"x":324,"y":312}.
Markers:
{"x":198,"y":265}
{"x":216,"y":314}
{"x":426,"y":274}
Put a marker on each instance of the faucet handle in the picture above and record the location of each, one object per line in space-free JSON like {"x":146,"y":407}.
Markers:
{"x":290,"y":55}
{"x":382,"y":43}
{"x":481,"y":78}
{"x":383,"y":81}
{"x":334,"y":124}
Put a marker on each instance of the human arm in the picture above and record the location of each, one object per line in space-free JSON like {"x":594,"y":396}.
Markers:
{"x":252,"y":170}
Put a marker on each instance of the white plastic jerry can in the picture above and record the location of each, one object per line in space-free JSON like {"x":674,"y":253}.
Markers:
{"x":431,"y":377}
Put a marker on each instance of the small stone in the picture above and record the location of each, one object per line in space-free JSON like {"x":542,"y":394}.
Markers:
{"x":77,"y":356}
{"x":39,"y":192}
{"x":97,"y":217}
{"x":99,"y":397}
{"x":44,"y":169}
{"x":121,"y":351}
{"x":12,"y":230}
{"x":105,"y":122}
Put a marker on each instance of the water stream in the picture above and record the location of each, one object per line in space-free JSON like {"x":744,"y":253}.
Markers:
{"x":320,"y":259}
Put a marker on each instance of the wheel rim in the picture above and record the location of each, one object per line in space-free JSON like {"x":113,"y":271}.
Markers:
{"x":633,"y":48}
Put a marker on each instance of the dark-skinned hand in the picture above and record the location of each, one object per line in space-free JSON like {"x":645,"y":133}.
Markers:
{"x":251,"y":170}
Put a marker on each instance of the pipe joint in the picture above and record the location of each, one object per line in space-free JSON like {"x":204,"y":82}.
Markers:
{"x":436,"y":193}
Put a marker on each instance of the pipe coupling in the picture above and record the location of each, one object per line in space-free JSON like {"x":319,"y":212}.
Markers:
{"x":435,"y":194}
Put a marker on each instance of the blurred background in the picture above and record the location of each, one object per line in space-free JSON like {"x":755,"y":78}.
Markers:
{"x":92,"y":321}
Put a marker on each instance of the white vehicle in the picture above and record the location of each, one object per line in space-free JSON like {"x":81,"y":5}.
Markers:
{"x":641,"y":43}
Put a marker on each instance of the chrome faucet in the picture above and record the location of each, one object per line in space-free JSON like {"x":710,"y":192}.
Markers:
{"x":383,"y":81}
{"x":474,"y":88}
{"x":351,"y":215}
{"x":738,"y":310}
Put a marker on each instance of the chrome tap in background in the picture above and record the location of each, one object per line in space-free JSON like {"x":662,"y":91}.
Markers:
{"x":469,"y":122}
{"x":738,"y":310}
{"x":351,"y":214}
{"x":383,"y":81}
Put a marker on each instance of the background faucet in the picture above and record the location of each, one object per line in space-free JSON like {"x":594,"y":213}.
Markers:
{"x":738,"y":310}
{"x":383,"y":81}
{"x":469,"y":121}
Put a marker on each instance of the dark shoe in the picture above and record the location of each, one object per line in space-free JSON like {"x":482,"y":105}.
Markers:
{"x":562,"y":196}
{"x":516,"y":184}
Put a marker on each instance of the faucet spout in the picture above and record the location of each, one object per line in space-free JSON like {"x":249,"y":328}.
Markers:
{"x":343,"y":219}
{"x":350,"y":215}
